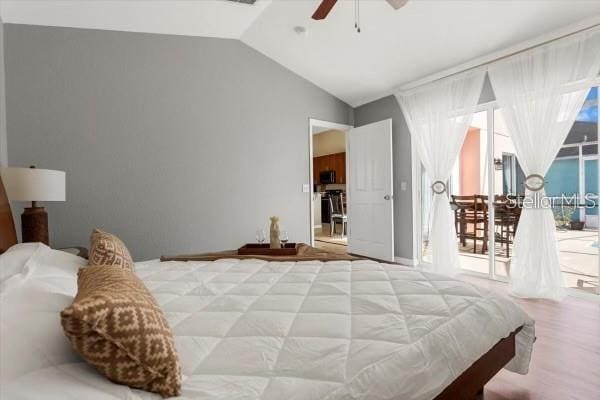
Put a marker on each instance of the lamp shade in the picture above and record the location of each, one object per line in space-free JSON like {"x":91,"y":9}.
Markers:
{"x":33,"y":184}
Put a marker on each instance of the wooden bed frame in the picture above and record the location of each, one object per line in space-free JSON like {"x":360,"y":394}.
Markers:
{"x":8,"y":234}
{"x":468,"y":386}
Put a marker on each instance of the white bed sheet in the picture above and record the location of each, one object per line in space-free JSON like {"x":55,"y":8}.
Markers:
{"x":267,"y":330}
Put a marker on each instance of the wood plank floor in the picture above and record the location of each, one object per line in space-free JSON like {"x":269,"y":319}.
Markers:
{"x":325,"y":242}
{"x":566,"y":356}
{"x":332,"y":247}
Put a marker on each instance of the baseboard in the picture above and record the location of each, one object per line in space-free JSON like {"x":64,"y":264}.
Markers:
{"x":411,"y":262}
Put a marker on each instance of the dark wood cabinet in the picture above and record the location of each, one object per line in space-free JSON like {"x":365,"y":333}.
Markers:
{"x":340,"y":167}
{"x":317,"y":168}
{"x":331,"y":162}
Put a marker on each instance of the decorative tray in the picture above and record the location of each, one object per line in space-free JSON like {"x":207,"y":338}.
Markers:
{"x":290,"y":249}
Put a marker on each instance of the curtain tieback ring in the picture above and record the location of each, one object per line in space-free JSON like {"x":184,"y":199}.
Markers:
{"x":438,"y":187}
{"x":534,"y":182}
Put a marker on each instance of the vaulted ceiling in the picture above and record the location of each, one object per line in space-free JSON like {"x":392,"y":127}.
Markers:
{"x":212,"y":18}
{"x":393,"y":48}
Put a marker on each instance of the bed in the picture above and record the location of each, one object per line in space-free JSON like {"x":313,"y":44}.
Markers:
{"x":252,"y":329}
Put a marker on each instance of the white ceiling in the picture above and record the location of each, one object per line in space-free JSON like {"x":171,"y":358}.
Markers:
{"x":213,"y":18}
{"x":394,"y":47}
{"x":397,"y":47}
{"x":319,"y":129}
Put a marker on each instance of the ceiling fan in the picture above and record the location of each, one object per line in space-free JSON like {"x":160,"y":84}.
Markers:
{"x":326,"y":6}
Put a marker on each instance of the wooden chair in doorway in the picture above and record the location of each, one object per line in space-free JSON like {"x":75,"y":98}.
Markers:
{"x":338,"y":214}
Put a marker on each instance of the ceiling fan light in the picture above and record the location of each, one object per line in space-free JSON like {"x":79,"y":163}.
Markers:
{"x":396,"y":4}
{"x":300,"y":30}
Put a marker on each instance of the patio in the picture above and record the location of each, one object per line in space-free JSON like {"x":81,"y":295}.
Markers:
{"x":578,"y":259}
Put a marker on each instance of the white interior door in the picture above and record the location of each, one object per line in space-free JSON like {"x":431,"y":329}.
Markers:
{"x":370,"y":192}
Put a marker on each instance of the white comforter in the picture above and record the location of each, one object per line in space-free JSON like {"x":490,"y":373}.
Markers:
{"x":267,"y":330}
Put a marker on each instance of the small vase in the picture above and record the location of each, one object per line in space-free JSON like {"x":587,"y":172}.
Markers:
{"x":274,"y":242}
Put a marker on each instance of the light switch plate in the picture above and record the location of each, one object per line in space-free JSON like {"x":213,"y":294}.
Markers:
{"x":305,"y":188}
{"x":403,"y":186}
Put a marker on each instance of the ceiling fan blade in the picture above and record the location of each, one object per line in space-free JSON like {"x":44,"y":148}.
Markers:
{"x":323,"y":9}
{"x":397,"y":3}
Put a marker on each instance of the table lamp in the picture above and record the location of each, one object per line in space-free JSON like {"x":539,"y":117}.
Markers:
{"x":33,"y":184}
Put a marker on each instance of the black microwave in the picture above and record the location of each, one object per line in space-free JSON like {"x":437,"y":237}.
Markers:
{"x":326,"y":177}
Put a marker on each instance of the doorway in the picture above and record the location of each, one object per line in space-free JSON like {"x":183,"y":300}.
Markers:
{"x":328,"y":180}
{"x":360,"y":182}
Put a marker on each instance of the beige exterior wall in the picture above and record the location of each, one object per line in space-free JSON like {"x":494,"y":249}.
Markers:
{"x":469,"y":176}
{"x":470,"y":180}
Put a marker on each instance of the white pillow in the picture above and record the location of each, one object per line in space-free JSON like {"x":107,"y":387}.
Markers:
{"x":37,"y":360}
{"x":14,"y":259}
{"x":37,"y":262}
{"x":31,"y":300}
{"x":32,"y":336}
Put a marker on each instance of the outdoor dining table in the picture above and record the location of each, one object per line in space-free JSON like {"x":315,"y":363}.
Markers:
{"x":471,"y":218}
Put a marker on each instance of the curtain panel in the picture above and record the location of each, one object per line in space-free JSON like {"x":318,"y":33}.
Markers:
{"x":540,"y":93}
{"x":438,"y":115}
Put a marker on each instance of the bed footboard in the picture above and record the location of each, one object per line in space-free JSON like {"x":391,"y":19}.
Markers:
{"x":469,"y":385}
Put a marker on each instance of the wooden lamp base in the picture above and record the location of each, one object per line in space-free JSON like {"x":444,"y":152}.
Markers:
{"x":34,"y":225}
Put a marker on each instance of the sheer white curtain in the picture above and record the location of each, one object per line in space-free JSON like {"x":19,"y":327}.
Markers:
{"x":438,"y":116}
{"x":540,"y":93}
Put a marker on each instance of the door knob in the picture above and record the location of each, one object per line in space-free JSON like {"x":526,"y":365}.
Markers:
{"x":387,"y":197}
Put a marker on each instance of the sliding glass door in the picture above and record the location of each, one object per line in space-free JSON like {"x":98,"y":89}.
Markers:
{"x":508,"y":187}
{"x":469,"y":190}
{"x":487,"y":191}
{"x":575,"y":173}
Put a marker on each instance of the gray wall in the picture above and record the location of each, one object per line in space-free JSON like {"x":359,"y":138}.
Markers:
{"x":3,"y":152}
{"x":176,"y":144}
{"x":378,"y":110}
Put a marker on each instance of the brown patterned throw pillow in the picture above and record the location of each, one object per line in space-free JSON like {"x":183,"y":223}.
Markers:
{"x":115,"y":325}
{"x":107,"y":249}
